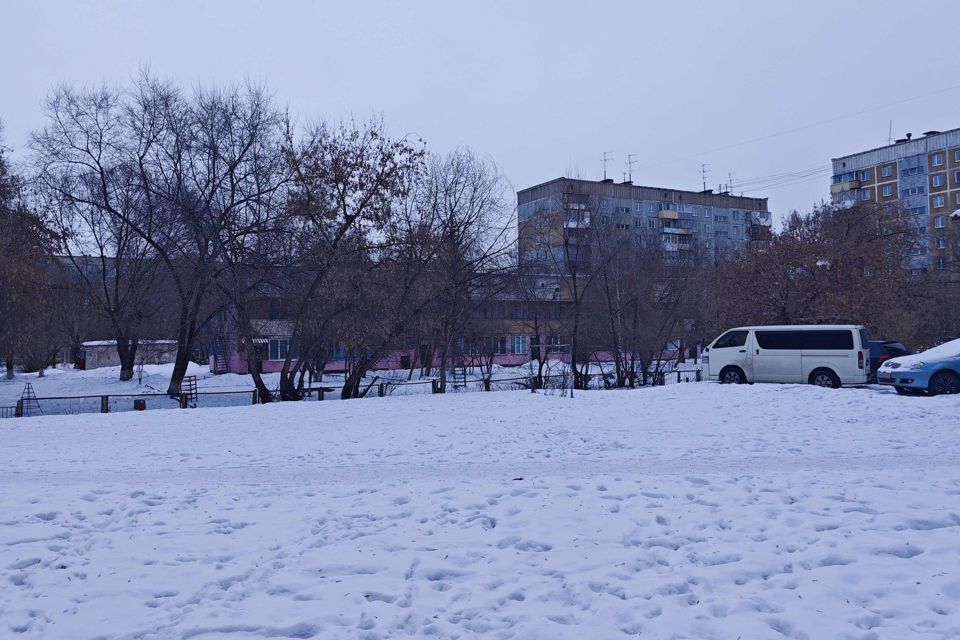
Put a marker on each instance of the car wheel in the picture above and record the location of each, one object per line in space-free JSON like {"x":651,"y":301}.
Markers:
{"x":907,"y":391}
{"x":732,"y":375}
{"x":944,"y":382}
{"x":824,"y":378}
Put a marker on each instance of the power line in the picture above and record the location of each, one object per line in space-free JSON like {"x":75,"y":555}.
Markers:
{"x":804,"y":127}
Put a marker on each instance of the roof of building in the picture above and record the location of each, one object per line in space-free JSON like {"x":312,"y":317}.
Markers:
{"x":908,"y":145}
{"x":113,"y":343}
{"x":744,"y":202}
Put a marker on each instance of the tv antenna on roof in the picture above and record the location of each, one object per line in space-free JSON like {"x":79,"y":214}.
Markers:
{"x":606,"y":157}
{"x":703,"y":174}
{"x":630,"y":163}
{"x":890,"y":133}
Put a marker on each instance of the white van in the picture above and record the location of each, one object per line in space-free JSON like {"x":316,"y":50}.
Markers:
{"x":824,"y":355}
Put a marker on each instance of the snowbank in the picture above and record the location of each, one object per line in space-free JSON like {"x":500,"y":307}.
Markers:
{"x":687,"y":511}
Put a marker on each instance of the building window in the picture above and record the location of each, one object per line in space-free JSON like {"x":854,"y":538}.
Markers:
{"x":956,"y":155}
{"x":494,"y":345}
{"x":957,"y":199}
{"x":637,"y":205}
{"x":887,"y":190}
{"x":913,"y":191}
{"x":697,"y":211}
{"x":937,"y":159}
{"x":956,"y":177}
{"x":707,"y":211}
{"x":706,"y":228}
{"x":941,"y":242}
{"x":279,"y":348}
{"x":518,"y":345}
{"x":864,"y":194}
{"x":938,"y":201}
{"x":941,"y":263}
{"x":939,"y":222}
{"x":652,"y":207}
{"x":866,"y":174}
{"x":937,"y":180}
{"x":912,"y":171}
{"x":558,"y":344}
{"x":886,"y":171}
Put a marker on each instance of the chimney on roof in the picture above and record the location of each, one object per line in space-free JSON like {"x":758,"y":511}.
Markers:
{"x":909,"y":135}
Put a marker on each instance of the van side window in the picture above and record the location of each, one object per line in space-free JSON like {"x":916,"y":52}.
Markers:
{"x":841,"y":339}
{"x":780,"y":339}
{"x":731,"y":339}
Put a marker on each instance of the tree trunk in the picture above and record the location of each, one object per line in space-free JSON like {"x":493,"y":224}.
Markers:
{"x":9,"y":360}
{"x":185,"y":336}
{"x":253,"y":366}
{"x":180,"y":365}
{"x":127,"y":351}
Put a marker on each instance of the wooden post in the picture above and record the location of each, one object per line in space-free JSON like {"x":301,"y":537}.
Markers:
{"x":18,"y":412}
{"x":184,"y":401}
{"x":104,"y":404}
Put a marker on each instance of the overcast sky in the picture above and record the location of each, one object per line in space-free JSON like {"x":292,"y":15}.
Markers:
{"x":756,"y":89}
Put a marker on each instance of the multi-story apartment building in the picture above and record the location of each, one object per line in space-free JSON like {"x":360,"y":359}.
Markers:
{"x":555,"y":212}
{"x":921,"y":176}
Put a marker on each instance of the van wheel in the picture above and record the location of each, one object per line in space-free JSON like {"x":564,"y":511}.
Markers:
{"x":824,"y":378}
{"x":944,"y":382}
{"x":732,"y":375}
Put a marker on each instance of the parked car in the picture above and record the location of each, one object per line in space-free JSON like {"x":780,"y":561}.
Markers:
{"x":935,"y":371}
{"x":824,"y":355}
{"x":883,"y":350}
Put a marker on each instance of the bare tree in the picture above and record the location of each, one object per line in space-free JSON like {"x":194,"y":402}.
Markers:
{"x":348,"y":181}
{"x":29,"y":280}
{"x":193,"y":161}
{"x":463,"y":199}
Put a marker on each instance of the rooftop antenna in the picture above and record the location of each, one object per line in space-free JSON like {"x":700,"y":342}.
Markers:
{"x":703,"y":174}
{"x":630,"y":162}
{"x":606,"y":157}
{"x":890,"y":133}
{"x":730,"y":182}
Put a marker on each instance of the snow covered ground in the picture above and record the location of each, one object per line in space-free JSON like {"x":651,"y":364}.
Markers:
{"x":685,"y":511}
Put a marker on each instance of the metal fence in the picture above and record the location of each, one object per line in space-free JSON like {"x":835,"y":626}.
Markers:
{"x":377,"y":387}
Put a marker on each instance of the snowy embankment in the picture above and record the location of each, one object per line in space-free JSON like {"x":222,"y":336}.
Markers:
{"x":687,"y":511}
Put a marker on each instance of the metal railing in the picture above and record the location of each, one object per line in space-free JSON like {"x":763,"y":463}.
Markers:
{"x":124,"y":402}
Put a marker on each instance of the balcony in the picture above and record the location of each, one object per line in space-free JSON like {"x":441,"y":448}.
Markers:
{"x":669,"y":215}
{"x":840,"y":187}
{"x":677,"y":231}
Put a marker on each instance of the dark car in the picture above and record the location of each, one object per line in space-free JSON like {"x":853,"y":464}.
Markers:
{"x":883,"y":350}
